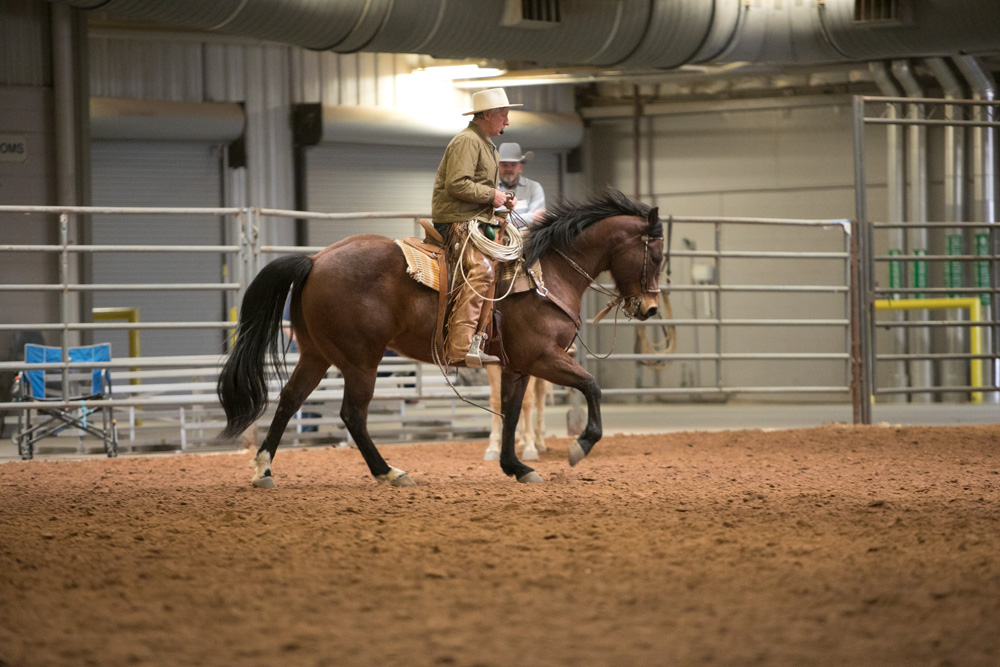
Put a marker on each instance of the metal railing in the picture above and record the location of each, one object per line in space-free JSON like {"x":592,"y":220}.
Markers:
{"x":721,"y":355}
{"x":249,"y":254}
{"x":244,"y":256}
{"x":68,"y":285}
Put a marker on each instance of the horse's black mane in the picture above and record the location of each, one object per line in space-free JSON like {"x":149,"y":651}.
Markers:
{"x":564,"y":221}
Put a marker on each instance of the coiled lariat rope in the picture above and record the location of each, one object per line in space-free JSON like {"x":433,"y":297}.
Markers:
{"x":508,"y":251}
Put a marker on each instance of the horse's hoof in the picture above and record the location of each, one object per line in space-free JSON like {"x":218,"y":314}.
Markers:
{"x":266,"y":482}
{"x":530,"y":478}
{"x":395,"y":477}
{"x":529,"y":455}
{"x":491,"y":456}
{"x":576,"y":453}
{"x":403,"y":480}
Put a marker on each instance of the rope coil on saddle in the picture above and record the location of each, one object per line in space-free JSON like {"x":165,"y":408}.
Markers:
{"x":508,"y":251}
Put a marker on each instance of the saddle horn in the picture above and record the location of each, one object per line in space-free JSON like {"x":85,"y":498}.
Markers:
{"x":432,"y":234}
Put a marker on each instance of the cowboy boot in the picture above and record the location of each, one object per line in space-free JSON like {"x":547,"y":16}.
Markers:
{"x":464,"y":343}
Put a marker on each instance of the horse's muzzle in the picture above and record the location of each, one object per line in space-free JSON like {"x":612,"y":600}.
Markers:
{"x":648,"y":307}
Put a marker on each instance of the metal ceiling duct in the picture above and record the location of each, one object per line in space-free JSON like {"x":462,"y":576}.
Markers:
{"x":628,"y":33}
{"x":927,"y":28}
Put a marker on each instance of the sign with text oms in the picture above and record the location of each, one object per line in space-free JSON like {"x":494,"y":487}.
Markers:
{"x":13,"y":148}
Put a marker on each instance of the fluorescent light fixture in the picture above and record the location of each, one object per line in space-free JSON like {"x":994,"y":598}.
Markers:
{"x":453,"y":72}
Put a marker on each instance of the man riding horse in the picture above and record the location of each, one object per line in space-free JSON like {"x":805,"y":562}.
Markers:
{"x":465,"y":195}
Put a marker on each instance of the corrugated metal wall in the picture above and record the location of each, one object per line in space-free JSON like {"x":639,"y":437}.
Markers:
{"x":268,"y":79}
{"x":193,"y":71}
{"x":24,"y":43}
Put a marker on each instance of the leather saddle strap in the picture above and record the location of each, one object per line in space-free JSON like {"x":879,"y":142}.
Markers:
{"x":544,"y":292}
{"x":442,"y":301}
{"x":562,"y":306}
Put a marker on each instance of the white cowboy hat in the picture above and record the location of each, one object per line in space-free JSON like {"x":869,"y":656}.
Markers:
{"x":511,"y":152}
{"x":494,"y":98}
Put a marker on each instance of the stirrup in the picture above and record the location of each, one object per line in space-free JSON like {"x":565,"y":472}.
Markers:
{"x":475,"y":357}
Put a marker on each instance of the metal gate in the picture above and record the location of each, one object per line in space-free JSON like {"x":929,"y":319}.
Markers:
{"x":898,"y":272}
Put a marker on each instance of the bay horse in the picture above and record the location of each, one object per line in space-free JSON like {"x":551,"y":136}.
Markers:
{"x":354,"y":300}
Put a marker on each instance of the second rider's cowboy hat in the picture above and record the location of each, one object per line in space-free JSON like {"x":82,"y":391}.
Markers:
{"x":511,"y":152}
{"x":494,"y":98}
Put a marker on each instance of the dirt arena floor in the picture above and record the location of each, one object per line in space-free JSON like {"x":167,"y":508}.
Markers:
{"x":828,"y":546}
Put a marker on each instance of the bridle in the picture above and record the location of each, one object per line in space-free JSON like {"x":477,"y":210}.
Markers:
{"x":630,"y":304}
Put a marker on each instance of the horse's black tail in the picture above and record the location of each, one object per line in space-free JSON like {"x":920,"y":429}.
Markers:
{"x":242,"y":386}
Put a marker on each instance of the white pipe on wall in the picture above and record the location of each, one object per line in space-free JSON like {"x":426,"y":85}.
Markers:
{"x":896,"y":195}
{"x":67,"y":102}
{"x":921,"y":371}
{"x":983,"y":149}
{"x":953,"y":373}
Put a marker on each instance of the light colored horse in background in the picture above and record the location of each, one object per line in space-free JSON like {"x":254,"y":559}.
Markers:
{"x":530,"y":428}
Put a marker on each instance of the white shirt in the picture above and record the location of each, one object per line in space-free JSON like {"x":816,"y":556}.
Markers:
{"x":530,"y":198}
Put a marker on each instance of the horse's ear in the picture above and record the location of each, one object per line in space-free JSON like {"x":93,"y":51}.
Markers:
{"x":654,"y":217}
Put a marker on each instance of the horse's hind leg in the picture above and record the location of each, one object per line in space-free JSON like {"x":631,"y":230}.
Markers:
{"x":307,"y":374}
{"x":359,"y":387}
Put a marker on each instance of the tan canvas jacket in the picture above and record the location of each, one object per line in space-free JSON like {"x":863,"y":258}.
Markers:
{"x":466,"y":178}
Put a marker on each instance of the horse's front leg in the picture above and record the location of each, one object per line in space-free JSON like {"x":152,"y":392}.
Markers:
{"x":593,"y":431}
{"x":562,"y":369}
{"x":512,"y":395}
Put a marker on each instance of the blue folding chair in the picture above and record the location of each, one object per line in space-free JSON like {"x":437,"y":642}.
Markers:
{"x":35,"y":388}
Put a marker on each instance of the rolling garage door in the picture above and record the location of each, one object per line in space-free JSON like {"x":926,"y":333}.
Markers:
{"x":159,"y":173}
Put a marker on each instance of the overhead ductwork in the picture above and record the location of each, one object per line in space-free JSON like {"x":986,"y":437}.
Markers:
{"x":601,"y":33}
